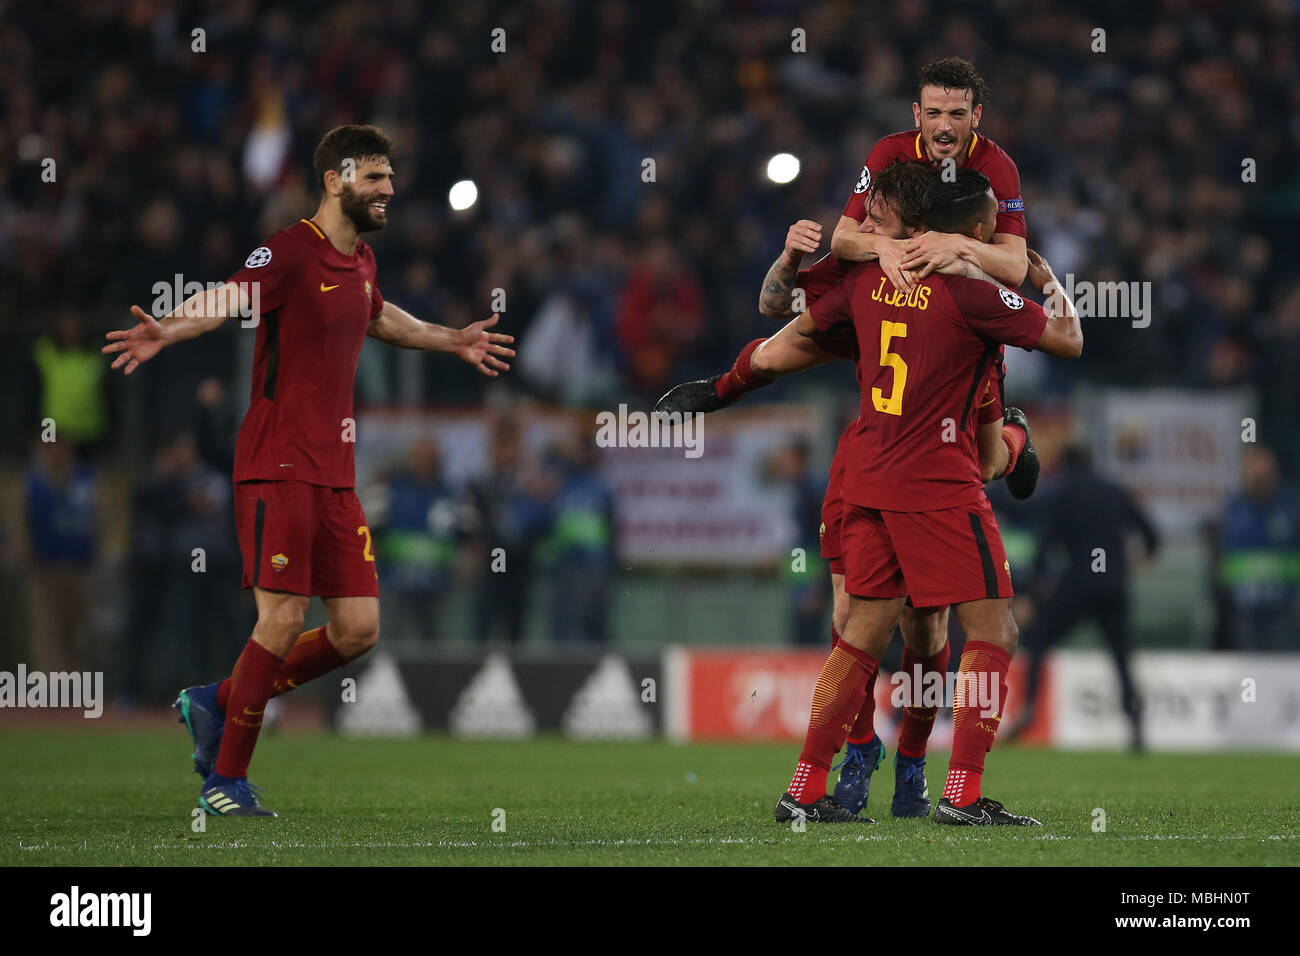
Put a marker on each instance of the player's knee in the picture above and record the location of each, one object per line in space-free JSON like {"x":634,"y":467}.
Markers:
{"x":760,"y":361}
{"x":840,"y":613}
{"x":988,"y":471}
{"x":287,"y":620}
{"x":358,"y":638}
{"x":932,"y":636}
{"x":1010,"y":634}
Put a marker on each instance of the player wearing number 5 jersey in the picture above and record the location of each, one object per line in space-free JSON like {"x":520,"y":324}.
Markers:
{"x":314,"y":296}
{"x":916,"y":521}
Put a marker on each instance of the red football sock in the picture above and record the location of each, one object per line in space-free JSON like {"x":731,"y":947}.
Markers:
{"x":981,"y":674}
{"x":250,"y":689}
{"x":914,"y":733}
{"x":742,"y":378}
{"x":837,"y":698}
{"x":962,"y":787}
{"x":864,"y":728}
{"x":1014,"y":437}
{"x":313,"y":655}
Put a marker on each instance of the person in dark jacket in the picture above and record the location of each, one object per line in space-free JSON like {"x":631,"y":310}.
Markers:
{"x":1087,"y":520}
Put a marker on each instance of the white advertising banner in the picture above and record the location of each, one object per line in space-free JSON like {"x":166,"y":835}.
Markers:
{"x":1192,"y":701}
{"x":709,"y":502}
{"x":1179,"y":450}
{"x":714,"y":509}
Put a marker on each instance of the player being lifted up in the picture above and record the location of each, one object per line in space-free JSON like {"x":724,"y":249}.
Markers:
{"x":300,"y":525}
{"x":917,"y":523}
{"x":904,"y":199}
{"x":947,"y":112}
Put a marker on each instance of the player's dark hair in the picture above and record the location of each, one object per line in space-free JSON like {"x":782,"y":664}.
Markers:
{"x":358,"y":143}
{"x":953,"y":73}
{"x":954,"y":206}
{"x":903,"y":185}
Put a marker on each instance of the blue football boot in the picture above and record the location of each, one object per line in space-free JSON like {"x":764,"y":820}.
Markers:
{"x":859,"y":763}
{"x":911,"y":792}
{"x":205,"y":721}
{"x":232,"y":798}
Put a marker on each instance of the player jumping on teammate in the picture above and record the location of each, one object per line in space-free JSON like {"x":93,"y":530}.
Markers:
{"x":917,"y":522}
{"x":946,"y":114}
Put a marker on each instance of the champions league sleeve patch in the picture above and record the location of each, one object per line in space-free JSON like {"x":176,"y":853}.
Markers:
{"x":864,"y":182}
{"x":258,"y":258}
{"x":1011,"y":205}
{"x":1012,"y":300}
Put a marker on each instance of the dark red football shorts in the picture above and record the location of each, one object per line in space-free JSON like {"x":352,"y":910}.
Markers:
{"x":935,"y":557}
{"x":991,"y":401}
{"x":832,"y":511}
{"x":304,"y":539}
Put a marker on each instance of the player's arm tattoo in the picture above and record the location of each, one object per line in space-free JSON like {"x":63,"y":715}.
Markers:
{"x":778,"y":289}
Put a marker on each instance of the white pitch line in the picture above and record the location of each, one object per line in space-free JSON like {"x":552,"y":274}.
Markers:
{"x":789,"y":840}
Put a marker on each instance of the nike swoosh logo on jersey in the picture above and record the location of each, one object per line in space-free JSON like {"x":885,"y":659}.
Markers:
{"x":326,"y":288}
{"x":253,"y":713}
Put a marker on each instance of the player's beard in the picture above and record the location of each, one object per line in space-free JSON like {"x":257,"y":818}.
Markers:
{"x":357,"y":208}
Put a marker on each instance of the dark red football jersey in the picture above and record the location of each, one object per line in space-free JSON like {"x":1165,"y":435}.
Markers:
{"x":983,"y":155}
{"x":316,"y":304}
{"x":924,"y":364}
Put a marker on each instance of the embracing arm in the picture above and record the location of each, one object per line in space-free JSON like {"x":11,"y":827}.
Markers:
{"x":964,"y":267}
{"x":1063,"y":336}
{"x":472,"y":344}
{"x":778,"y":285}
{"x":850,"y":244}
{"x":1003,"y":258}
{"x":855,"y":241}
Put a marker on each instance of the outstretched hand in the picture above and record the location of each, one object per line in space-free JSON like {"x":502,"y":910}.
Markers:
{"x":138,"y":344}
{"x":484,"y":349}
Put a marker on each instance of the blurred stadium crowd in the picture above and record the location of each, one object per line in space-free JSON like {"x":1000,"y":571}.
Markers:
{"x":171,"y":161}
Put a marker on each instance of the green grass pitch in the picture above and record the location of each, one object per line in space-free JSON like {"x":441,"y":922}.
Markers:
{"x":108,"y":798}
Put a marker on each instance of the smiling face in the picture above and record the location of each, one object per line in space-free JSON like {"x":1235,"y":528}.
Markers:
{"x":946,"y":121}
{"x":364,"y":200}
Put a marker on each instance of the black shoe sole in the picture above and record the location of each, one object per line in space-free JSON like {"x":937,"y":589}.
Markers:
{"x":691,"y":397}
{"x":1023,"y":479}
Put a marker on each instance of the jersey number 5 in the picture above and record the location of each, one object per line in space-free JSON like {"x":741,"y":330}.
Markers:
{"x":893,"y":405}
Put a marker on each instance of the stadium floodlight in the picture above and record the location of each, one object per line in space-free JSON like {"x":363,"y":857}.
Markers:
{"x":783,"y":168}
{"x":463,"y":195}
